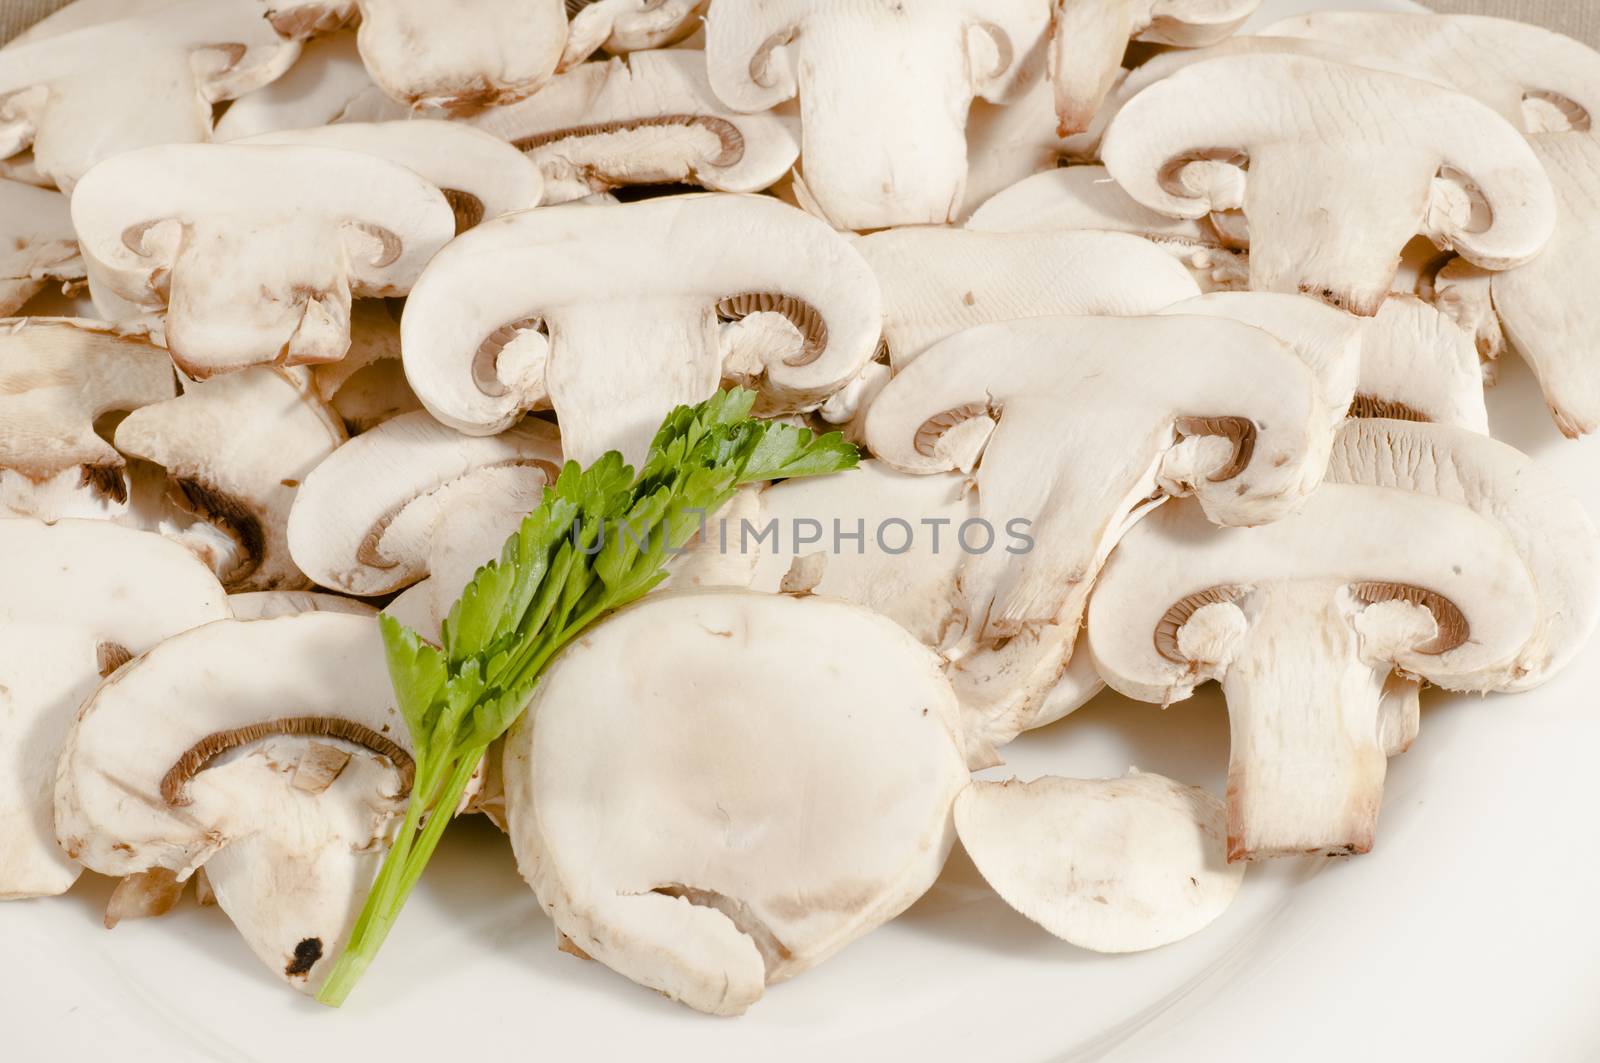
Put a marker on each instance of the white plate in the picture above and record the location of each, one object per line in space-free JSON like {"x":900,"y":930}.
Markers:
{"x":1471,"y":933}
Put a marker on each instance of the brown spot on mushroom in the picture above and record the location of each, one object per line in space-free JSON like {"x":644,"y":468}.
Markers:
{"x":193,"y":761}
{"x":487,"y":356}
{"x":929,"y":432}
{"x":1237,"y":430}
{"x":1453,"y":627}
{"x":468,"y":208}
{"x":227,"y":513}
{"x":801,"y":314}
{"x":106,"y":480}
{"x":290,"y":483}
{"x":306,"y":953}
{"x":730,"y":142}
{"x":1372,"y":406}
{"x":109,"y":656}
{"x":1167,"y":628}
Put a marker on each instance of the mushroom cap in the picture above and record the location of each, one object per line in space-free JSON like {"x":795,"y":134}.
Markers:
{"x":1357,"y":535}
{"x":936,"y":282}
{"x":1549,"y":526}
{"x":629,"y":296}
{"x":1448,"y":166}
{"x":40,"y":243}
{"x":1419,"y":365}
{"x":660,"y":829}
{"x":648,"y":119}
{"x":327,"y":84}
{"x":264,"y":605}
{"x":365,"y":518}
{"x":1112,"y":865}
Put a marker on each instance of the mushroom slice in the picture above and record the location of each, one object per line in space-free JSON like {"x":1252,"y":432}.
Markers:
{"x":255,"y":251}
{"x":58,"y":376}
{"x":1082,"y":424}
{"x":368,"y":385}
{"x":1549,"y":526}
{"x":1303,"y":622}
{"x":699,"y":874}
{"x":327,"y":84}
{"x":648,"y":119}
{"x":1008,"y":143}
{"x":1088,"y":39}
{"x":366,"y":519}
{"x":624,"y":26}
{"x":480,"y":175}
{"x":81,"y":598}
{"x":1419,"y":365}
{"x":236,"y":450}
{"x":264,"y":605}
{"x":1448,"y":167}
{"x":884,"y":91}
{"x":1540,"y":81}
{"x":109,"y":86}
{"x":610,"y":314}
{"x":1111,"y":865}
{"x":936,"y":282}
{"x":1085,"y":197}
{"x":36,"y":243}
{"x":211,"y":750}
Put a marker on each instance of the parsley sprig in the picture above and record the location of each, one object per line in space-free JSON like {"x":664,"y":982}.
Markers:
{"x":600,"y":539}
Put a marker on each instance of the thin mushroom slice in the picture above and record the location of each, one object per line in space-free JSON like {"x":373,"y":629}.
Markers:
{"x":367,"y":518}
{"x":648,"y":119}
{"x":1226,"y":133}
{"x":37,"y":243}
{"x":611,"y":314}
{"x":327,"y":84}
{"x":1110,"y":865}
{"x":368,"y":385}
{"x":1077,"y":425}
{"x":936,"y":282}
{"x":264,"y":605}
{"x":1086,"y":197}
{"x":1419,"y":365}
{"x":1012,"y":141}
{"x":621,"y":27}
{"x":742,"y":886}
{"x":214,"y":749}
{"x":255,"y":251}
{"x":884,"y":91}
{"x":1304,"y":621}
{"x":1539,"y":80}
{"x":58,"y":377}
{"x":81,"y":598}
{"x":236,"y":450}
{"x":1088,"y":39}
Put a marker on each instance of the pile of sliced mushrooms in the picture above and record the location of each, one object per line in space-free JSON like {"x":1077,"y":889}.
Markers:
{"x":311,"y":300}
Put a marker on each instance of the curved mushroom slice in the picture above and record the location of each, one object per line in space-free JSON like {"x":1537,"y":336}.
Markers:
{"x":625,"y":26}
{"x":502,"y":51}
{"x":236,"y":449}
{"x":104,"y":88}
{"x":255,"y":251}
{"x":268,"y":751}
{"x":1083,"y":424}
{"x":37,"y":243}
{"x":1111,"y":865}
{"x":739,"y":885}
{"x":1086,"y":197}
{"x":1088,"y":39}
{"x":884,"y":91}
{"x":327,"y":84}
{"x":366,"y":519}
{"x":1418,"y":365}
{"x":1303,"y":621}
{"x":936,"y":282}
{"x":1540,"y":81}
{"x":81,"y":598}
{"x":368,"y":385}
{"x":1448,"y":167}
{"x":610,"y":314}
{"x":265,"y":605}
{"x":1546,"y":522}
{"x":648,"y":119}
{"x":480,"y":175}
{"x":58,"y":376}
{"x":1008,"y":143}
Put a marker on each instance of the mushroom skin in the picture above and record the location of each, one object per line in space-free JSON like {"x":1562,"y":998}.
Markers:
{"x":1451,"y":169}
{"x":699,"y":874}
{"x":1303,"y":621}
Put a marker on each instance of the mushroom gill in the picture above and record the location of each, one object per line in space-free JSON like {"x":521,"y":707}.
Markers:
{"x":226,"y":513}
{"x":1577,"y":118}
{"x":467,"y":208}
{"x":1237,"y":430}
{"x":1453,"y":627}
{"x":730,"y":142}
{"x":174,"y":784}
{"x":801,"y":314}
{"x":485,"y":361}
{"x":929,"y":432}
{"x":1373,"y":406}
{"x":1171,"y":622}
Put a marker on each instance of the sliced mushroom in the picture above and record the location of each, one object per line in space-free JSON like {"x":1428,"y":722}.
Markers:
{"x":1088,"y":39}
{"x":103,"y":87}
{"x":236,"y":450}
{"x":1085,"y":197}
{"x":58,"y":377}
{"x":1111,"y":865}
{"x":255,"y":251}
{"x":1419,"y":365}
{"x":36,"y":243}
{"x":624,"y":26}
{"x":268,"y":751}
{"x":936,"y":282}
{"x":1541,"y":81}
{"x":648,"y":119}
{"x":610,"y":315}
{"x":1084,"y":423}
{"x":368,"y":385}
{"x":742,"y":885}
{"x":367,"y":518}
{"x":884,"y":91}
{"x":1303,"y":622}
{"x":264,"y":605}
{"x":327,"y":84}
{"x":1447,"y":166}
{"x":1009,"y":142}
{"x":81,"y":597}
